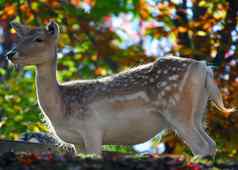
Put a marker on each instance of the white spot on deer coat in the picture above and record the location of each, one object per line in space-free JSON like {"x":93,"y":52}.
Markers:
{"x":175,"y":85}
{"x":162,"y":93}
{"x":176,"y":97}
{"x":124,"y":98}
{"x":152,"y":80}
{"x":167,"y":88}
{"x":158,"y":85}
{"x":173,"y":77}
{"x":172,"y":101}
{"x":164,"y":83}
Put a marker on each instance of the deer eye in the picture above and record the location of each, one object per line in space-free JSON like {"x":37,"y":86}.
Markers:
{"x":38,"y":40}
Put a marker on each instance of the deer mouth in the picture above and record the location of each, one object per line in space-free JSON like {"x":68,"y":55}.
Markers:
{"x":13,"y":56}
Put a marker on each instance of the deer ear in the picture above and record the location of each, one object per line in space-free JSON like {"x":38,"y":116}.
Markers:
{"x":53,"y":29}
{"x":20,"y":29}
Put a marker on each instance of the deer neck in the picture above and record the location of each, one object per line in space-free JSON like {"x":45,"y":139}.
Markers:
{"x":48,"y":91}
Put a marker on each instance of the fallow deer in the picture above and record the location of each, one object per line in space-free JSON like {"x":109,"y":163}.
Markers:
{"x":123,"y":109}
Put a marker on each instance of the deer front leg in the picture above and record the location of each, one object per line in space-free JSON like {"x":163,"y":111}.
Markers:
{"x":93,"y":141}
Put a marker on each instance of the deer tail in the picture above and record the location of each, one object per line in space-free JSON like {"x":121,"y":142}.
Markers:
{"x":214,"y":93}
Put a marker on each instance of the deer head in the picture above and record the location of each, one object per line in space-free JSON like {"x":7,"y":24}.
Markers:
{"x":34,"y":46}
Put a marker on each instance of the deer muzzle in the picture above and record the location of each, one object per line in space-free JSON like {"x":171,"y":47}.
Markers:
{"x":10,"y":54}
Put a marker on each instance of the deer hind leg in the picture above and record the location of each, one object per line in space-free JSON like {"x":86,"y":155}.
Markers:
{"x":192,"y":136}
{"x":211,"y":144}
{"x":201,"y":109}
{"x":200,"y":99}
{"x":191,"y":131}
{"x":187,"y":116}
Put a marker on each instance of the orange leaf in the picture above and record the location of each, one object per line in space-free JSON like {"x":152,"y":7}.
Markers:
{"x":89,"y":2}
{"x":182,"y":29}
{"x":10,"y":9}
{"x":75,"y":2}
{"x":23,"y":7}
{"x":100,"y":71}
{"x":143,"y":9}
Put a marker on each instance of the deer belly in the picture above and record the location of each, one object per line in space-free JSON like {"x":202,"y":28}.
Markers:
{"x":128,"y":119}
{"x":132,"y":130}
{"x":69,"y":134}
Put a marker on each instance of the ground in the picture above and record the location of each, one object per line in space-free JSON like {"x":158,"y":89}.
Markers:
{"x":110,"y":161}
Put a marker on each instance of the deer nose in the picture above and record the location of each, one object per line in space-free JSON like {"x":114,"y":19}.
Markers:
{"x":11,"y":53}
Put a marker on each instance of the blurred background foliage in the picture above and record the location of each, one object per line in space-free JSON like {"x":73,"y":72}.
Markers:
{"x":102,"y":37}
